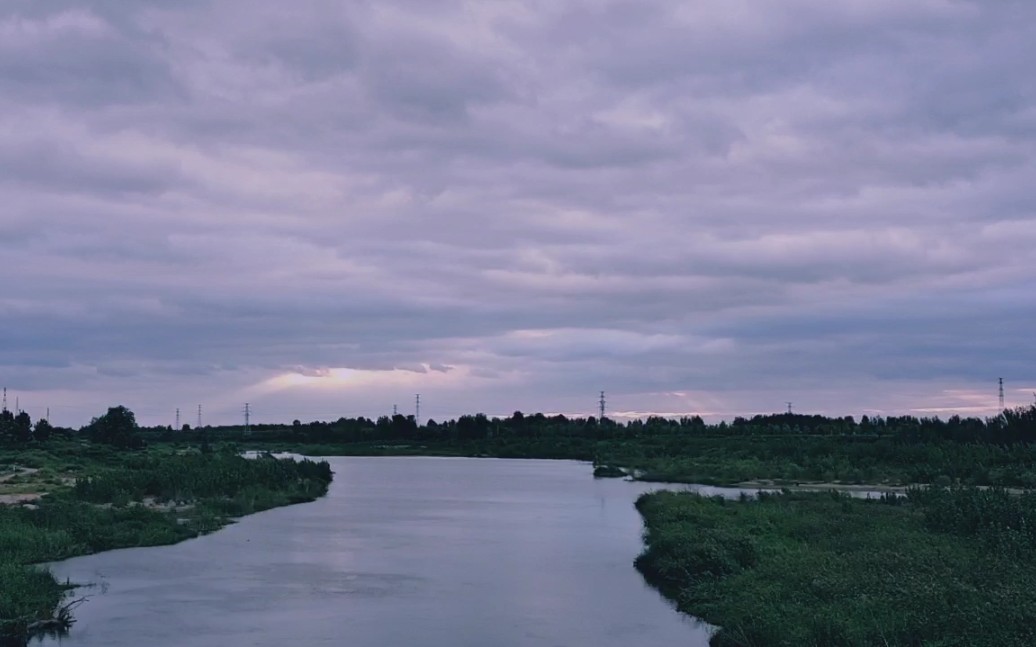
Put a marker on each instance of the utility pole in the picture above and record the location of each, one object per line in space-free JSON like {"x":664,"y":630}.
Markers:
{"x":601,"y":403}
{"x":1001,"y":394}
{"x":248,"y":422}
{"x":417,"y":410}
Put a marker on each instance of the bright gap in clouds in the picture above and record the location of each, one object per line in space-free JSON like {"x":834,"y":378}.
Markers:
{"x":324,"y":209}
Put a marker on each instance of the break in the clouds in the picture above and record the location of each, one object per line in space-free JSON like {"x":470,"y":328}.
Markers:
{"x":325,"y":207}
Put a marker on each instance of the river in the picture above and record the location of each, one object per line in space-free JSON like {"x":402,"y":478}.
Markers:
{"x":402,"y":551}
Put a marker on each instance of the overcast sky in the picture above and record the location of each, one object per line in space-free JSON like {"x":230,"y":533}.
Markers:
{"x":323,"y":207}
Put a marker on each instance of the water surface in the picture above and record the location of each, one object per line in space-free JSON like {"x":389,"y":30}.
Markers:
{"x":402,"y":551}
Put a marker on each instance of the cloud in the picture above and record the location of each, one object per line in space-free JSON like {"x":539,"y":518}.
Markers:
{"x":516,"y":204}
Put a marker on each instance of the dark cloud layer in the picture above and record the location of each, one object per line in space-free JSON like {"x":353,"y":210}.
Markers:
{"x":709,"y":208}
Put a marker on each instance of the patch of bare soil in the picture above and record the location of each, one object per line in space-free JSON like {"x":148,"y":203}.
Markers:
{"x":17,"y":471}
{"x":19,"y":499}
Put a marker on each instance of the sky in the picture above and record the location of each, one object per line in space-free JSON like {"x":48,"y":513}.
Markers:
{"x":324,"y":208}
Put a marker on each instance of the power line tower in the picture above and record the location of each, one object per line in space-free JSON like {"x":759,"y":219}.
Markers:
{"x":789,"y":408}
{"x":417,"y":410}
{"x":199,"y":416}
{"x":5,"y":399}
{"x":248,"y":421}
{"x":1001,"y":394}
{"x":395,"y":411}
{"x":177,"y":427}
{"x":601,"y":403}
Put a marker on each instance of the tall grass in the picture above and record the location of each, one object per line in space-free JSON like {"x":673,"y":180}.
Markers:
{"x":823,"y":569}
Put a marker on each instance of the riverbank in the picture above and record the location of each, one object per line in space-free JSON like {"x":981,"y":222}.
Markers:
{"x":88,"y":499}
{"x":621,"y":468}
{"x":784,"y":448}
{"x":823,"y":462}
{"x":937,"y":567}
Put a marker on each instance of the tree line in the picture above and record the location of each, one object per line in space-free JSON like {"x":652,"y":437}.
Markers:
{"x":20,"y":428}
{"x":1016,"y":425}
{"x":117,"y":427}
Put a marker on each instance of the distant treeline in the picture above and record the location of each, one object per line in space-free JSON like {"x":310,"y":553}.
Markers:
{"x":1016,"y":425}
{"x":1012,"y":426}
{"x":787,"y":448}
{"x":19,"y":428}
{"x":117,"y":427}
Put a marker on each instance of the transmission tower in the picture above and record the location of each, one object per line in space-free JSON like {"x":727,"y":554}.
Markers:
{"x":789,"y":408}
{"x":1001,"y":394}
{"x":5,"y":399}
{"x":417,"y":410}
{"x":199,"y":416}
{"x":177,"y":427}
{"x":601,"y":403}
{"x":248,"y":422}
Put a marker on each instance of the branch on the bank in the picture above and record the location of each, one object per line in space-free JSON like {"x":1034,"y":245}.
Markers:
{"x":61,"y":619}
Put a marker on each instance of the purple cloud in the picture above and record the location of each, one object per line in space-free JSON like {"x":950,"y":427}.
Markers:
{"x":323,"y":209}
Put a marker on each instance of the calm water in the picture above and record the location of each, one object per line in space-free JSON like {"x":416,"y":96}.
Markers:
{"x":402,"y":551}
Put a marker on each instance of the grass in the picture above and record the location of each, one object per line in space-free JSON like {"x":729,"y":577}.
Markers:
{"x":942,"y":568}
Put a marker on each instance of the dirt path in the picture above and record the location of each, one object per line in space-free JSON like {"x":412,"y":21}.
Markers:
{"x":19,"y":499}
{"x":18,"y":471}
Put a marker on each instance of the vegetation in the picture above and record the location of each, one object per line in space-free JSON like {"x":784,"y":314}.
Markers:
{"x":608,"y":472}
{"x":946,"y":565}
{"x":941,"y":566}
{"x":104,"y":494}
{"x":118,"y":427}
{"x":784,"y":448}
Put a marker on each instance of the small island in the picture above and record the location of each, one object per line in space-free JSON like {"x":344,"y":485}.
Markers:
{"x":609,"y":472}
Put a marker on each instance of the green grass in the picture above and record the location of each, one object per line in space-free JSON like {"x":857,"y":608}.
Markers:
{"x":951,"y":567}
{"x":725,"y":460}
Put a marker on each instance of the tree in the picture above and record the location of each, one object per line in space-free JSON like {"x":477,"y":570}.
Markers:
{"x":473,"y":427}
{"x":403,"y":426}
{"x":17,"y":429}
{"x":43,"y":430}
{"x":22,"y":427}
{"x":118,"y":427}
{"x":6,"y":425}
